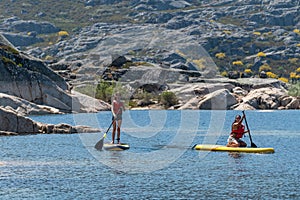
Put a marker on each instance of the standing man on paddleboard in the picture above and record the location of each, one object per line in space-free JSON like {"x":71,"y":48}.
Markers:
{"x":117,"y":108}
{"x":237,"y":132}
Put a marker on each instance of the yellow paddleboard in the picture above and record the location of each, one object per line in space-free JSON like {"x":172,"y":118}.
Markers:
{"x":211,"y":147}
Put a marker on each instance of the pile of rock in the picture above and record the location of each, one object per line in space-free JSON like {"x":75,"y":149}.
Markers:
{"x":239,"y":94}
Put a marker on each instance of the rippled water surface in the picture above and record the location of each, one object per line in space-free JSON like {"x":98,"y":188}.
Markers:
{"x":160,"y":162}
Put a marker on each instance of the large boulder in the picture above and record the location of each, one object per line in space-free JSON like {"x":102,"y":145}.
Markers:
{"x":186,"y":91}
{"x":12,"y":122}
{"x":293,"y":104}
{"x":24,"y":107}
{"x":192,"y":104}
{"x":218,"y":100}
{"x":264,"y":98}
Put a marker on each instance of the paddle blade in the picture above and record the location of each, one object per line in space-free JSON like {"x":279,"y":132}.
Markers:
{"x":253,"y":145}
{"x":99,"y":144}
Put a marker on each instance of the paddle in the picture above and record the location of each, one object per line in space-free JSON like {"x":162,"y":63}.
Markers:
{"x":99,"y":144}
{"x":252,"y":144}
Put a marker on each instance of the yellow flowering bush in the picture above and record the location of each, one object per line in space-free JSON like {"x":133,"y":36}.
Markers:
{"x":224,"y":74}
{"x":63,"y":33}
{"x":261,"y":54}
{"x":293,"y":75}
{"x":220,"y":55}
{"x":257,"y":33}
{"x":49,"y":57}
{"x":227,"y":32}
{"x":298,"y":70}
{"x":285,"y":80}
{"x":200,"y":63}
{"x":296,"y":31}
{"x":271,"y":75}
{"x":293,"y":60}
{"x":248,"y":71}
{"x":238,"y":62}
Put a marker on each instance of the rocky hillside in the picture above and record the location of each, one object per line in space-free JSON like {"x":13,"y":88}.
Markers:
{"x":160,"y":45}
{"x":228,"y":30}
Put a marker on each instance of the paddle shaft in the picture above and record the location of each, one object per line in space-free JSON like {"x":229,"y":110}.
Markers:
{"x":252,"y":144}
{"x":99,"y":144}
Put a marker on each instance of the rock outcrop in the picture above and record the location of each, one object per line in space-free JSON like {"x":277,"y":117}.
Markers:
{"x":24,"y":107}
{"x":29,"y":87}
{"x":11,"y":123}
{"x":32,"y":87}
{"x":239,"y":94}
{"x":269,"y":98}
{"x":22,"y":33}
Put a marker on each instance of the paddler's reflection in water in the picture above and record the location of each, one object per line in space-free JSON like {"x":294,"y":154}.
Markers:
{"x":235,"y":154}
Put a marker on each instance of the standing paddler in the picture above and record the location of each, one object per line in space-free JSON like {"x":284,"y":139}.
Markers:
{"x":117,"y":109}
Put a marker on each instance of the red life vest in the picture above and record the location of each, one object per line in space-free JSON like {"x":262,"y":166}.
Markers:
{"x":239,"y":132}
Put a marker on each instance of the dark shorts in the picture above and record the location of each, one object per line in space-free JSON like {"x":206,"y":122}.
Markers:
{"x":118,"y":117}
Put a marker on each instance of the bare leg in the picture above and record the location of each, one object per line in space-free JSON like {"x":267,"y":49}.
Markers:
{"x":113,"y":133}
{"x":119,"y":131}
{"x":242,"y":144}
{"x":232,"y":144}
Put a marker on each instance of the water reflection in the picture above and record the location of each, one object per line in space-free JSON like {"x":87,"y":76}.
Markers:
{"x":235,"y":154}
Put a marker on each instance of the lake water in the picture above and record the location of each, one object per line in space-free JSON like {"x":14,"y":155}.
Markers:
{"x":160,"y":163}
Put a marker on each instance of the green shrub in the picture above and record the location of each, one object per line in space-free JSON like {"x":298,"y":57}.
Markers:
{"x":168,"y":99}
{"x":104,"y":91}
{"x":9,"y":49}
{"x":7,"y":60}
{"x":294,"y":90}
{"x":87,"y":90}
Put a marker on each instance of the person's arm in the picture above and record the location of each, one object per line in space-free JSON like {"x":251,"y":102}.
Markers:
{"x":123,"y":106}
{"x":243,"y":117}
{"x":112,"y":109}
